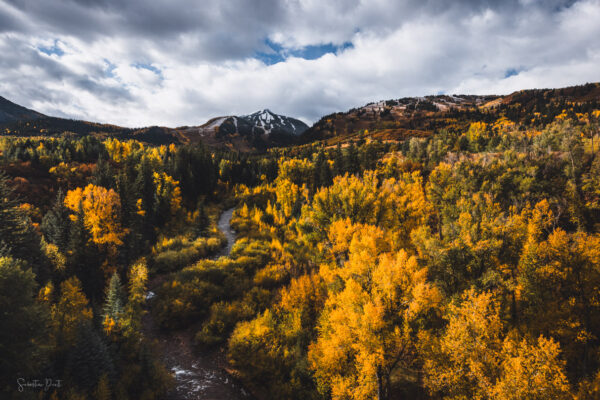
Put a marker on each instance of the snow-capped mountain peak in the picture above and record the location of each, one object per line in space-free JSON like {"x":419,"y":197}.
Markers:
{"x":259,"y":130}
{"x":267,"y":121}
{"x":265,"y":116}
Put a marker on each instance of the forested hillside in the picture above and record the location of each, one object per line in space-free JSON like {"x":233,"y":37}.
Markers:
{"x":423,"y":116}
{"x":463,"y":263}
{"x":253,"y":133}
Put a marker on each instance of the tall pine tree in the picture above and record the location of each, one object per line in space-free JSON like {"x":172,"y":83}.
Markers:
{"x":89,"y":360}
{"x":17,"y":235}
{"x":22,"y":320}
{"x":55,"y":224}
{"x":113,"y":305}
{"x":352,"y":163}
{"x":103,"y":174}
{"x":317,"y":170}
{"x":325,"y":174}
{"x":338,"y":166}
{"x":84,"y":259}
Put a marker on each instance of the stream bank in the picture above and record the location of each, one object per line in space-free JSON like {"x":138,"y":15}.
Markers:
{"x":198,"y":375}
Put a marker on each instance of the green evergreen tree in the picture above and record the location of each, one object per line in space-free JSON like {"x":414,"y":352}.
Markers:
{"x":325,"y":177}
{"x":352,"y":163}
{"x":88,"y":360}
{"x":103,"y":174}
{"x":318,"y":166}
{"x":202,"y":221}
{"x":17,"y":234}
{"x":368,"y":157}
{"x":133,"y":245}
{"x":55,"y":224}
{"x":83,"y":257}
{"x":338,"y":165}
{"x":113,"y":305}
{"x":144,"y":185}
{"x":22,"y":322}
{"x":145,"y":188}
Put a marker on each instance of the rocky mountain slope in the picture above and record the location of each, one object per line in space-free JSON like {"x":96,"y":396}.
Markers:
{"x":260,"y":130}
{"x":271,"y":123}
{"x":421,"y":116}
{"x":383,"y":120}
{"x":248,"y":133}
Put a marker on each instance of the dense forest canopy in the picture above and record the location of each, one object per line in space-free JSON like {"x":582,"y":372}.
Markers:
{"x":460,"y":264}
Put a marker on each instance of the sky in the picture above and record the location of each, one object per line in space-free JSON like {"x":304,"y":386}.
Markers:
{"x":181,"y":62}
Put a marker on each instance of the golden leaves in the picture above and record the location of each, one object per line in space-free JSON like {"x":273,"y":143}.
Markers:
{"x":168,"y":189}
{"x":532,"y":371}
{"x":101,"y":208}
{"x":364,"y":330}
{"x":70,"y":312}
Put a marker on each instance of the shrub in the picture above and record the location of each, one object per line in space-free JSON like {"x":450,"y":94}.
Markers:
{"x":172,"y":254}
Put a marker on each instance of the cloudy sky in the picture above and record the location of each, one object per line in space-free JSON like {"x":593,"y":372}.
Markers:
{"x":181,"y":62}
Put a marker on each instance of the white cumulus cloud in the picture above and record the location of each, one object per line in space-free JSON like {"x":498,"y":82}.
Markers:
{"x":179,"y":63}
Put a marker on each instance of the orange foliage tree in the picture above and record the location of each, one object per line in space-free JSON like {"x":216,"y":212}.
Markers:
{"x":101,"y":208}
{"x":368,"y":327}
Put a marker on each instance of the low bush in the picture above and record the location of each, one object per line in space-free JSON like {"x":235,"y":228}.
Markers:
{"x":172,"y":254}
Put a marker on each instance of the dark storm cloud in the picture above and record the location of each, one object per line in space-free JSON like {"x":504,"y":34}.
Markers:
{"x":8,"y":23}
{"x":233,"y":29}
{"x":223,"y":30}
{"x":215,"y":30}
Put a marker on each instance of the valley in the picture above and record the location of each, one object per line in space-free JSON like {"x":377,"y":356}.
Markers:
{"x":424,"y":248}
{"x":197,"y":375}
{"x":299,"y":200}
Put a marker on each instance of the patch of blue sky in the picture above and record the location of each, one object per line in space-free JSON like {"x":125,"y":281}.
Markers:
{"x":54,"y":49}
{"x":149,"y":67}
{"x":511,"y":72}
{"x":110,"y":67}
{"x":277,"y":53}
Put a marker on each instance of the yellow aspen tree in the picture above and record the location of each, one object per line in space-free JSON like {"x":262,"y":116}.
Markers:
{"x":464,"y":362}
{"x":367,"y":329}
{"x":131,"y":322}
{"x":532,"y":372}
{"x":168,"y":193}
{"x":101,"y":209}
{"x":71,"y":311}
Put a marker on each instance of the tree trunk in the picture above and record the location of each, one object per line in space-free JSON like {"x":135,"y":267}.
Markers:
{"x":381,"y":392}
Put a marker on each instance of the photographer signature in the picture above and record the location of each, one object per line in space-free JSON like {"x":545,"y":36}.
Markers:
{"x":38,"y":384}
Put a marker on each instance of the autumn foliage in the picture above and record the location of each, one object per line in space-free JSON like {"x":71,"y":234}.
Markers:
{"x":461,"y":264}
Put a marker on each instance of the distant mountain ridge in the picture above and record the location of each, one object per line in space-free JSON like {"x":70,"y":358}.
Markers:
{"x":393,"y":120}
{"x":257,"y":131}
{"x":423,"y":116}
{"x":10,"y":112}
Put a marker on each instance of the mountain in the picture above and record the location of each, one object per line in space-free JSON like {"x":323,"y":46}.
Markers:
{"x":10,"y":112}
{"x":248,"y":133}
{"x":388,"y":120}
{"x":274,"y":124}
{"x":422,"y":116}
{"x":257,"y":131}
{"x":20,"y":121}
{"x":52,"y":126}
